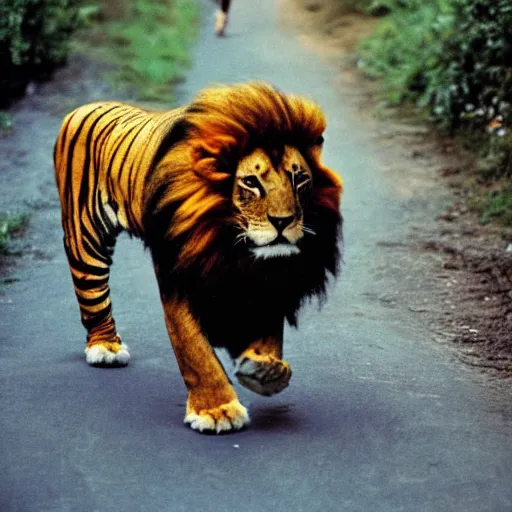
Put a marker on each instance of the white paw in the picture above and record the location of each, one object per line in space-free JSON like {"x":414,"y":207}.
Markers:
{"x":230,"y":416}
{"x":103,"y":355}
{"x":265,"y":375}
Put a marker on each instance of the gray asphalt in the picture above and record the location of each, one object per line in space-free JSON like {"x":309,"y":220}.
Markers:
{"x":377,"y":417}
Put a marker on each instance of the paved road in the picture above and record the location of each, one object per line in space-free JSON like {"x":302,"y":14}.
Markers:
{"x":377,"y":418}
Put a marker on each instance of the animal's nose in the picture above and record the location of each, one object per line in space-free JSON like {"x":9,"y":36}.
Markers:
{"x":280,"y":223}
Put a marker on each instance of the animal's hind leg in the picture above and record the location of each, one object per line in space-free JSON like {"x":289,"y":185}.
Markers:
{"x":90,"y":269}
{"x":260,"y":367}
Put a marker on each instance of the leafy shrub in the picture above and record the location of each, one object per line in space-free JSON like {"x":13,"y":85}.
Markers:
{"x":33,"y":41}
{"x":154,"y":42}
{"x":145,"y":42}
{"x":497,"y":207}
{"x":406,"y":46}
{"x":474,"y":69}
{"x":452,"y":56}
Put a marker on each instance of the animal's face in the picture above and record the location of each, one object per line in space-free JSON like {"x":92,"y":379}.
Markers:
{"x":269,"y":190}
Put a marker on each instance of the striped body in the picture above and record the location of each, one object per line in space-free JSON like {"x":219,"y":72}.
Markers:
{"x":241,"y":218}
{"x":102,"y":158}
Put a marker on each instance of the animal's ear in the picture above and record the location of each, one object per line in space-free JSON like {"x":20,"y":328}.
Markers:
{"x":210,"y":164}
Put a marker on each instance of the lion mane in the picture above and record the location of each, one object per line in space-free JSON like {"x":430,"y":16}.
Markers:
{"x":188,"y":218}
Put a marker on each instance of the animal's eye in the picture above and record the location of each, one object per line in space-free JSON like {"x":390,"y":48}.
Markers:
{"x":319,"y":141}
{"x":250,"y":181}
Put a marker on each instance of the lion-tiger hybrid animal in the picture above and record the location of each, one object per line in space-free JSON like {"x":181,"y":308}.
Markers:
{"x":241,"y":218}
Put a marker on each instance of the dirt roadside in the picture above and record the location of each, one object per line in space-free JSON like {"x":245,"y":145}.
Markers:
{"x":465,"y":268}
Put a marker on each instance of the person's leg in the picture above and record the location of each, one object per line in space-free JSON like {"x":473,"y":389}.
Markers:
{"x":221,"y":17}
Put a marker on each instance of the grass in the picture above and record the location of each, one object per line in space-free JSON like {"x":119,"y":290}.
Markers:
{"x":407,"y":55}
{"x":492,"y":205}
{"x":491,"y":188}
{"x":147,"y":42}
{"x":498,"y":208}
{"x":11,"y":225}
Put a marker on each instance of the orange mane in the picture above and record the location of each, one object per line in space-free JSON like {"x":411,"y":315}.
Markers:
{"x":192,"y":180}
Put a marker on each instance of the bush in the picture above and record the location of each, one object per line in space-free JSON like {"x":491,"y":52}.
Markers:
{"x":452,"y":56}
{"x":33,"y":41}
{"x":474,"y":70}
{"x":146,"y":44}
{"x":406,"y":46}
{"x":153,"y":41}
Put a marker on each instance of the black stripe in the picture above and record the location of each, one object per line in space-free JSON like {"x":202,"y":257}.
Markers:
{"x":94,"y":301}
{"x":92,"y":251}
{"x":111,"y":161}
{"x":135,"y":113}
{"x":84,"y":267}
{"x":63,"y":135}
{"x":120,"y":141}
{"x":110,"y":227}
{"x":98,"y":318}
{"x":100,"y":247}
{"x":83,"y":283}
{"x":84,"y":185}
{"x":98,"y":151}
{"x":70,"y":155}
{"x":128,"y":150}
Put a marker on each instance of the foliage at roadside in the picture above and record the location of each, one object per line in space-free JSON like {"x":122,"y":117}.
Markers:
{"x":147,"y":42}
{"x":454,"y":58}
{"x":375,"y":7}
{"x":11,"y":225}
{"x":34,"y":38}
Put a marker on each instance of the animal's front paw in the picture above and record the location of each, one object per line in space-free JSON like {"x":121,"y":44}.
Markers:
{"x":107,"y":353}
{"x":264,"y":374}
{"x":225,"y":417}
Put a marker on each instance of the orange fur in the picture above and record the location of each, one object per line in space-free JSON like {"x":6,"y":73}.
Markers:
{"x":170,"y":178}
{"x":225,"y":122}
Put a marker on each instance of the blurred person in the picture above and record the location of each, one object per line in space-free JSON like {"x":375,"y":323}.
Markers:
{"x":221,"y":17}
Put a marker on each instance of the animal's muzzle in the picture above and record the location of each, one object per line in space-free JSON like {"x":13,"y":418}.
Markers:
{"x":280,"y":223}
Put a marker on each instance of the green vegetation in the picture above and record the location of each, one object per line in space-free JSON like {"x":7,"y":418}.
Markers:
{"x":11,"y":225}
{"x":454,"y":59}
{"x":375,"y":7}
{"x":147,"y":43}
{"x":5,"y":124}
{"x":33,"y":42}
{"x":497,"y":207}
